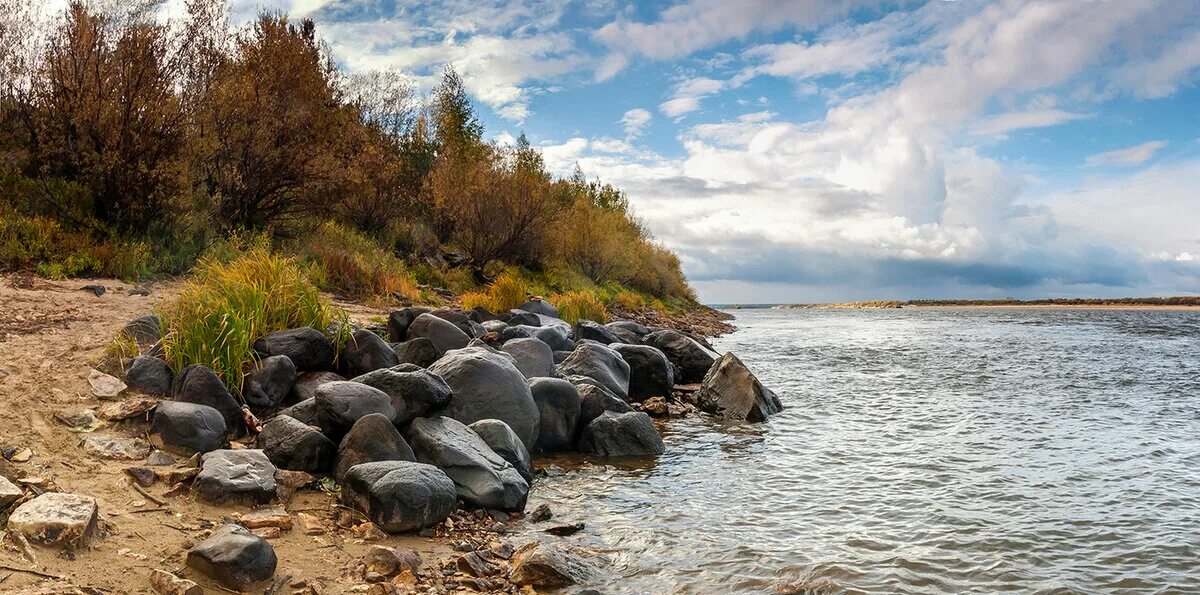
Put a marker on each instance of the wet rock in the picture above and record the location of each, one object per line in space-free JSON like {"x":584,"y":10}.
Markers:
{"x":487,"y":385}
{"x":128,"y":408}
{"x":165,"y":583}
{"x":692,"y":358}
{"x":565,"y":530}
{"x":539,"y":306}
{"x":305,"y":411}
{"x":444,"y":335}
{"x":621,"y":435}
{"x":366,"y":352}
{"x":234,"y":557}
{"x":399,"y":321}
{"x":146,"y":330}
{"x":481,"y":476}
{"x":418,"y":351}
{"x":235,"y":476}
{"x":541,"y":514}
{"x":200,"y":385}
{"x":655,"y":407}
{"x":188,"y":426}
{"x":340,"y":404}
{"x":373,"y":438}
{"x":533,"y":358}
{"x":399,"y":495}
{"x":308,"y":348}
{"x":266,"y":386}
{"x":116,"y":448}
{"x":415,"y":392}
{"x":504,"y":442}
{"x":594,"y":331}
{"x":105,"y":386}
{"x":549,"y":566}
{"x":650,"y":372}
{"x":389,"y":561}
{"x":601,"y":364}
{"x":731,"y":391}
{"x":294,"y":445}
{"x":307,"y":383}
{"x":149,"y":376}
{"x":56,"y":518}
{"x":594,"y":401}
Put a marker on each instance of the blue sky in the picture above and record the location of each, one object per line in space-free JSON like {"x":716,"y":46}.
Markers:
{"x":838,"y":150}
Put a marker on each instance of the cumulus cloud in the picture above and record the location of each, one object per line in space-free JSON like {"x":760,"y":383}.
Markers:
{"x":1135,"y":155}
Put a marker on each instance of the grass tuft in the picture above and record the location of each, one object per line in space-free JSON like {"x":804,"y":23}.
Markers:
{"x":574,"y":306}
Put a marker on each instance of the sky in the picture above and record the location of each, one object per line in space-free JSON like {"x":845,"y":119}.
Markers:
{"x":836,"y":150}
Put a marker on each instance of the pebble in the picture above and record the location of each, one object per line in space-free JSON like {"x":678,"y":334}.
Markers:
{"x":166,"y":583}
{"x":9,"y":492}
{"x":143,"y":476}
{"x":105,"y":386}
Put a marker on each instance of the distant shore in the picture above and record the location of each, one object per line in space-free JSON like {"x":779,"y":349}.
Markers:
{"x":1164,"y":303}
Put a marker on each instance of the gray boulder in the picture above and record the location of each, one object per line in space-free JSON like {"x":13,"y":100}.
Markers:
{"x":692,"y":358}
{"x":561,"y":356}
{"x":482,"y":477}
{"x":372,"y":439}
{"x":365,"y":352}
{"x":522,"y":317}
{"x":415,"y":392}
{"x":650,"y":372}
{"x":558,"y":402}
{"x":340,"y":404}
{"x":266,"y":386}
{"x":308,"y":348}
{"x":539,"y":306}
{"x":629,"y":434}
{"x":399,"y":321}
{"x":488,"y":385}
{"x":557,"y":337}
{"x":188,"y":426}
{"x":149,"y":375}
{"x":595,"y":400}
{"x":462,"y":320}
{"x":501,"y":439}
{"x":594,"y":331}
{"x":628,"y":326}
{"x":731,"y":391}
{"x":243,"y":476}
{"x":307,"y":383}
{"x":533,"y":357}
{"x":293,"y":445}
{"x":234,"y":557}
{"x":305,"y":412}
{"x":418,"y":351}
{"x":601,"y":364}
{"x":200,"y":385}
{"x":443,"y":333}
{"x":494,"y":326}
{"x":399,"y":495}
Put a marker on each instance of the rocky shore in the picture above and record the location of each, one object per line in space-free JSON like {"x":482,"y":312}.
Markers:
{"x":400,"y":462}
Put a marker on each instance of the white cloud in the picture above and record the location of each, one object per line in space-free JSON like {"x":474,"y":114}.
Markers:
{"x":1162,"y":75}
{"x":1035,"y":118}
{"x":679,"y":106}
{"x":1135,"y":155}
{"x":635,"y":122}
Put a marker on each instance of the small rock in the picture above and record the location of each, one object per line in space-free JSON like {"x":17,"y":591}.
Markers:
{"x":149,"y":375}
{"x":503,"y":551}
{"x":654,"y":407}
{"x":541,"y":513}
{"x":268,"y":532}
{"x":116,"y":448}
{"x":165,"y":583}
{"x":476,"y":565}
{"x":287,"y":482}
{"x":245,"y":475}
{"x":9,"y":492}
{"x":127,"y":408}
{"x":159,"y":458}
{"x":143,"y":476}
{"x":564,"y":530}
{"x":388,"y":560}
{"x":56,"y":518}
{"x":96,"y":290}
{"x":176,"y":475}
{"x":267,"y":517}
{"x":234,"y":557}
{"x":105,"y":386}
{"x":373,"y":577}
{"x":80,"y":421}
{"x":310,"y":524}
{"x":18,"y":454}
{"x":549,"y":566}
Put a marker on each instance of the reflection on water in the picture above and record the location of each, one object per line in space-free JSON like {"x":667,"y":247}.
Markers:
{"x":930,"y":450}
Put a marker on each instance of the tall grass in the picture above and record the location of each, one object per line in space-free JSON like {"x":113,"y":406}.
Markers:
{"x":508,"y":291}
{"x":574,"y":306}
{"x":226,"y":306}
{"x":348,"y":262}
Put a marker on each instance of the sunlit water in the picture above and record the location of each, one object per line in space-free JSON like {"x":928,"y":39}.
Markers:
{"x":922,"y":450}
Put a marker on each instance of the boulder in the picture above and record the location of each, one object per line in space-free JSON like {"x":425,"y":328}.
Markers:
{"x":488,"y":385}
{"x":494,"y":326}
{"x":307,"y":347}
{"x":444,"y":334}
{"x":340,"y":404}
{"x":372,"y":439}
{"x":145,"y":330}
{"x":305,"y":412}
{"x":462,"y":320}
{"x":56,"y":518}
{"x":731,"y":391}
{"x":629,"y":326}
{"x":365,"y":352}
{"x":601,"y":364}
{"x":234,"y":557}
{"x":534,"y":358}
{"x":293,"y":445}
{"x":629,"y":434}
{"x":482,"y":477}
{"x":625,"y":336}
{"x":266,"y":386}
{"x":557,"y":401}
{"x":417,"y":351}
{"x":501,"y":439}
{"x":561,"y":356}
{"x":188,"y":426}
{"x":557,"y":337}
{"x":200,"y":385}
{"x":149,"y":375}
{"x":307,"y":383}
{"x":399,"y":495}
{"x":399,"y":321}
{"x":650,"y":372}
{"x":547,"y":565}
{"x":692,"y":358}
{"x":244,"y":476}
{"x":539,"y":306}
{"x":415,"y":392}
{"x":519,"y":317}
{"x":595,"y":400}
{"x":594,"y":331}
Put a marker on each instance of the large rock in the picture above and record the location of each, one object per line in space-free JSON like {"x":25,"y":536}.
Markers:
{"x":539,"y":306}
{"x":533,"y":357}
{"x":595,"y":400}
{"x":307,"y":384}
{"x":418,"y":351}
{"x":307,"y":347}
{"x":149,"y":375}
{"x":482,"y":477}
{"x":340,"y":404}
{"x":547,"y":565}
{"x":621,"y":435}
{"x":494,"y":326}
{"x":731,"y":391}
{"x":444,"y":335}
{"x":594,"y":331}
{"x":650,"y":372}
{"x":557,"y":401}
{"x":462,"y":320}
{"x":488,"y":385}
{"x":504,"y":442}
{"x":692,"y":358}
{"x":636,"y":329}
{"x":188,"y":426}
{"x":557,"y":337}
{"x":266,"y":386}
{"x":296,"y":446}
{"x":243,"y":476}
{"x":415,"y":392}
{"x":523,"y":317}
{"x":372,"y":439}
{"x":200,"y":385}
{"x":234,"y":557}
{"x":56,"y":518}
{"x":399,"y":321}
{"x":399,"y":495}
{"x":601,"y":364}
{"x":305,"y":411}
{"x":365,"y":352}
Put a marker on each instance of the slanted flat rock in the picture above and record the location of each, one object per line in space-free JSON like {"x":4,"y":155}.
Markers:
{"x":414,"y":391}
{"x":443,"y":333}
{"x":594,"y":331}
{"x":116,"y":448}
{"x":488,"y":385}
{"x":601,"y":364}
{"x":105,"y":386}
{"x":9,"y":492}
{"x":56,"y":518}
{"x":399,"y":495}
{"x":482,"y":477}
{"x":234,"y":557}
{"x":731,"y":391}
{"x":549,"y":566}
{"x":504,"y":442}
{"x":340,"y":404}
{"x":235,"y":475}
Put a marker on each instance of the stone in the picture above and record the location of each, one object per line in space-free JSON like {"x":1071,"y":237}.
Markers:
{"x":462,"y":320}
{"x":165,"y":583}
{"x":565,"y":530}
{"x":310,"y":524}
{"x":731,"y":391}
{"x":235,"y":476}
{"x":305,"y":411}
{"x":587,"y":330}
{"x":594,"y":401}
{"x":340,"y":404}
{"x":234,"y":557}
{"x":533,"y":357}
{"x":308,"y":348}
{"x":80,"y":421}
{"x":692,"y":358}
{"x":399,"y":321}
{"x":269,"y":383}
{"x":522,"y":317}
{"x":116,"y":448}
{"x":365,"y":352}
{"x":541,"y":513}
{"x":561,"y":356}
{"x":200,"y":385}
{"x":650,"y":372}
{"x":105,"y":386}
{"x":399,"y":495}
{"x":487,"y":385}
{"x":389,"y":561}
{"x":293,"y":445}
{"x":146,"y":330}
{"x":475,"y":564}
{"x":637,"y":329}
{"x":504,"y":442}
{"x":9,"y":492}
{"x":373,"y":438}
{"x":188,"y":426}
{"x":274,"y":516}
{"x":418,"y":351}
{"x":143,"y":476}
{"x":544,"y":565}
{"x":655,"y":407}
{"x":444,"y":335}
{"x":482,"y":477}
{"x":56,"y":518}
{"x":159,"y":458}
{"x":621,"y":435}
{"x":149,"y":375}
{"x":601,"y":364}
{"x":415,"y":392}
{"x":494,"y":326}
{"x":307,"y":383}
{"x":538,"y":305}
{"x":128,"y":408}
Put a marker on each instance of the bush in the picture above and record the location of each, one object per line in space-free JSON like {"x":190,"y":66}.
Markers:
{"x":574,"y":306}
{"x":353,"y":264}
{"x":505,"y":293}
{"x":227,"y":306}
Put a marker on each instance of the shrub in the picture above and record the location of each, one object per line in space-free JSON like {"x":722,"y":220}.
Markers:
{"x":351,"y":263}
{"x":574,"y":306}
{"x":508,"y":291}
{"x":227,"y":306}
